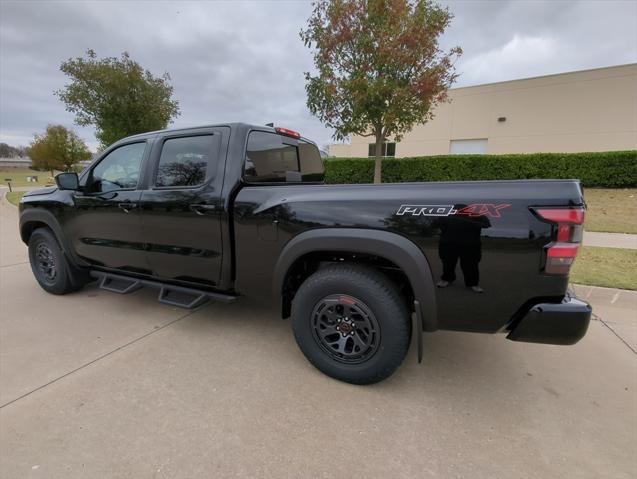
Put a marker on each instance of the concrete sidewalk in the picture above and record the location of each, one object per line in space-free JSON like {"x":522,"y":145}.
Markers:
{"x":610,"y":240}
{"x":615,"y":308}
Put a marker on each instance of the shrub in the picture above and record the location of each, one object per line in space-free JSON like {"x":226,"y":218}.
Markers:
{"x":612,"y":169}
{"x":349,"y":170}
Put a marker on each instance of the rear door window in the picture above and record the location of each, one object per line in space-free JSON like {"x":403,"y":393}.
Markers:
{"x":184,"y":161}
{"x":273,"y":158}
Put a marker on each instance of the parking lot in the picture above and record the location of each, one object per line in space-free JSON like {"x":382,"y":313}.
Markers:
{"x":95,"y":384}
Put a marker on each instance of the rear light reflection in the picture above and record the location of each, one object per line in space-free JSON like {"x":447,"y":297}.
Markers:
{"x":563,"y":232}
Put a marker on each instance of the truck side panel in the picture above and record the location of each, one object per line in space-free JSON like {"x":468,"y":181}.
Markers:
{"x":495,"y":237}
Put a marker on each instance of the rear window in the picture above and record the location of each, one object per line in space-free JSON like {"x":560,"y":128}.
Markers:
{"x":273,"y":158}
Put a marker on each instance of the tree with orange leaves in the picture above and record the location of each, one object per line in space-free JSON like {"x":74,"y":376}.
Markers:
{"x":379,"y":66}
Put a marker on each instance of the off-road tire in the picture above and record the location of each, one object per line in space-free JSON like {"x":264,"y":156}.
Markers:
{"x":377,"y":295}
{"x":62,"y":277}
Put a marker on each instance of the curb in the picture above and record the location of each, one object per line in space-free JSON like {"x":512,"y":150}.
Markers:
{"x":5,"y":201}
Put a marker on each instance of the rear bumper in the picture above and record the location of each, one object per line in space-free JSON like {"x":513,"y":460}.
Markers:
{"x":548,"y":323}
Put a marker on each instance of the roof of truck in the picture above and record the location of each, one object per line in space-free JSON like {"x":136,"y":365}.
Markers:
{"x":233,"y":125}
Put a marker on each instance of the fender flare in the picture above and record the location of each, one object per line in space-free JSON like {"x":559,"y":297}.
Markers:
{"x":37,"y":215}
{"x":391,"y":246}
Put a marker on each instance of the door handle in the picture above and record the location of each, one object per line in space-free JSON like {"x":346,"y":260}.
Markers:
{"x":127,"y":206}
{"x":202,"y":209}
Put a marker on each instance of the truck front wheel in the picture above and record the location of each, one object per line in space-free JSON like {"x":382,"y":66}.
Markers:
{"x":50,"y":266}
{"x":352,"y":323}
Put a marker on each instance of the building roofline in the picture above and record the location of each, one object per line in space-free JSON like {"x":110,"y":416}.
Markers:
{"x":550,"y":75}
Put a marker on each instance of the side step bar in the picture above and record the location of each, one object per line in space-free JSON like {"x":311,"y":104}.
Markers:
{"x":168,"y":294}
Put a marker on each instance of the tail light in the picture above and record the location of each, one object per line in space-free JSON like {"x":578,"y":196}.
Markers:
{"x":567,"y":235}
{"x":287,"y":132}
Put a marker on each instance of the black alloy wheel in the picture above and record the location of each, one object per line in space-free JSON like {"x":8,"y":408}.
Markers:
{"x":345,"y":328}
{"x":45,"y":262}
{"x":352,"y":323}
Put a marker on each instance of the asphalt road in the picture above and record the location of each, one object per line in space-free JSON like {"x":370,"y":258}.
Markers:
{"x":100,"y":385}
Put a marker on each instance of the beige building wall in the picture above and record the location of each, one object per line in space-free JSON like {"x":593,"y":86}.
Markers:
{"x":340,"y":150}
{"x":591,"y":110}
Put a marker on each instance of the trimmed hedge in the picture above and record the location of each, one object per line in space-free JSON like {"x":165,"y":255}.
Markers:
{"x":612,"y":169}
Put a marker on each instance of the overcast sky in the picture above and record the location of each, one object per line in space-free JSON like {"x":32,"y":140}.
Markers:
{"x":244,"y":61}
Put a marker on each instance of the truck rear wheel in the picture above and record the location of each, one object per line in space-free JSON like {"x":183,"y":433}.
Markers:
{"x":352,"y":323}
{"x":50,"y":266}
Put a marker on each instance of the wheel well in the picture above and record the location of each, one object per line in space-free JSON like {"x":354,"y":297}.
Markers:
{"x":28,"y":228}
{"x":304,"y":266}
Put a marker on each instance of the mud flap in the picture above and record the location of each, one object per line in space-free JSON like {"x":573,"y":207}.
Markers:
{"x":419,"y":329}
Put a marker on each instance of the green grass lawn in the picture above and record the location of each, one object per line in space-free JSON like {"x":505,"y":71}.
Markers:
{"x":19,"y":177}
{"x":611,"y":210}
{"x":609,"y":267}
{"x":14,"y":197}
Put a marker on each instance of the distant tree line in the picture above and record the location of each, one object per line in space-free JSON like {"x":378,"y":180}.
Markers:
{"x":8,"y":151}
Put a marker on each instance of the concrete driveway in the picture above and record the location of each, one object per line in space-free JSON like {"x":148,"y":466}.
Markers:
{"x":100,"y":385}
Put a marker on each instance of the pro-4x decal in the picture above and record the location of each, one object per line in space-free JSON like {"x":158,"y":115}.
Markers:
{"x":483,"y":209}
{"x":475,"y":209}
{"x":426,"y":210}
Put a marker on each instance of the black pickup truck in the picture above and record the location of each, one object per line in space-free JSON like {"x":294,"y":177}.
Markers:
{"x":225,"y":211}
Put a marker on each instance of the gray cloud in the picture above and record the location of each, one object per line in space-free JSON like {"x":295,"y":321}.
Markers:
{"x":244,"y":61}
{"x":517,"y":39}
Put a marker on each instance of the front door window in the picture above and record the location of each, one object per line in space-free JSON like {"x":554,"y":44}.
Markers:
{"x":119,"y":170}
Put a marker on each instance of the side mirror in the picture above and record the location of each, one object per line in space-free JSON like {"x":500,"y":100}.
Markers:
{"x":68,"y":181}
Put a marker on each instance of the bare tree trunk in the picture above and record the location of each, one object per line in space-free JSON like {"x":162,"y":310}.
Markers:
{"x":378,"y":157}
